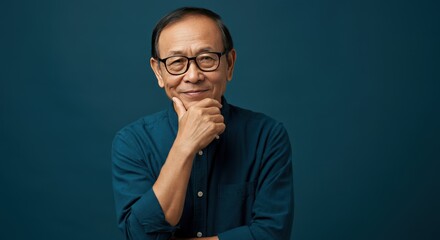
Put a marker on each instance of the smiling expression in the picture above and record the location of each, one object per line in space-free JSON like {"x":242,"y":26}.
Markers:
{"x":192,"y":35}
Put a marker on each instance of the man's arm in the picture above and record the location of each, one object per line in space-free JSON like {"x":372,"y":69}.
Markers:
{"x":149,"y":208}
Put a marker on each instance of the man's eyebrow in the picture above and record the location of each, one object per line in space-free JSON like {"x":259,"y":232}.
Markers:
{"x":207,"y":49}
{"x":179,"y":52}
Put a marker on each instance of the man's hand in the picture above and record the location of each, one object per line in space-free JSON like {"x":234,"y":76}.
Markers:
{"x":199,"y":124}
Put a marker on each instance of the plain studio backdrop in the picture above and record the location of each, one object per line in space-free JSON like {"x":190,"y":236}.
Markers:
{"x":356,"y":83}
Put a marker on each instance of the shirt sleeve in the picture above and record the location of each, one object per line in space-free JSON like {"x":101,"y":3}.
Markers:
{"x":272,"y":212}
{"x":138,"y":211}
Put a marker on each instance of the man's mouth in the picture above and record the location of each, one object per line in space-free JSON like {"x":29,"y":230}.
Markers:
{"x":194,"y":92}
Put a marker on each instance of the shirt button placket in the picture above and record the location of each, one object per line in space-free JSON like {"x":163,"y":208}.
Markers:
{"x":200,"y":185}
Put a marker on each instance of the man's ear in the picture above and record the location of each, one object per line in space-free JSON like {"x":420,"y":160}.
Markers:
{"x":154,"y":64}
{"x":230,"y":58}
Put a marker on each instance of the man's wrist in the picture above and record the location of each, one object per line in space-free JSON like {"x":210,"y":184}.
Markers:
{"x":183,"y":150}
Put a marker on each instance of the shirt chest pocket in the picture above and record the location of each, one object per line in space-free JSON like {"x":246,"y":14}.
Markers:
{"x":234,"y":204}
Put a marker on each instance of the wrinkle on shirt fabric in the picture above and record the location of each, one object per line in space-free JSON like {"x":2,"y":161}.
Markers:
{"x":241,"y":185}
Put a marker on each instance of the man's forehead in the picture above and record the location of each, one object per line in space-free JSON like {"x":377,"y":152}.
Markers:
{"x":199,"y":31}
{"x":192,"y":24}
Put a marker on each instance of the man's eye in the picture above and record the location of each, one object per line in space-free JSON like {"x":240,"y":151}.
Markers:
{"x":206,"y":58}
{"x":176,"y":61}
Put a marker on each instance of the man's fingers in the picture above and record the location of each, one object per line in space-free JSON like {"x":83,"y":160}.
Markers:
{"x":221,"y":128}
{"x":217,"y":118}
{"x":212,"y":110}
{"x":179,"y":107}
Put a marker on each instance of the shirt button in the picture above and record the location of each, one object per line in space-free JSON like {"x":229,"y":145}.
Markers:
{"x":200,"y":194}
{"x":199,"y":234}
{"x":200,"y":152}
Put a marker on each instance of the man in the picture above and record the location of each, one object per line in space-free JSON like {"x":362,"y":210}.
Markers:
{"x":203,"y":168}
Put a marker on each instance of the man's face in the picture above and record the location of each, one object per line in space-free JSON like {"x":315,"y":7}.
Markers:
{"x":189,"y":37}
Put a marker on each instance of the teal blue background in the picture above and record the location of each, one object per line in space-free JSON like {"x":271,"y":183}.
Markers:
{"x":356,"y":84}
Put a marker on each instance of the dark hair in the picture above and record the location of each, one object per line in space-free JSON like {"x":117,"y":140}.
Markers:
{"x":178,"y":15}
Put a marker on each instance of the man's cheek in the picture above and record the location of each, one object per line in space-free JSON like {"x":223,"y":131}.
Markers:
{"x":171,"y":86}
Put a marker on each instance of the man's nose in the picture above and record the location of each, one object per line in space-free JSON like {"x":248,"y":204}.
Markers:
{"x":193,"y":74}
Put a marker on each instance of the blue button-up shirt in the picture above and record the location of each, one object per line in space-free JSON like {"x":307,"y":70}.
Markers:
{"x":240,"y":185}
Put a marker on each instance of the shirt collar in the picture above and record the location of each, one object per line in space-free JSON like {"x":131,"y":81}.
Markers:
{"x":173,"y":119}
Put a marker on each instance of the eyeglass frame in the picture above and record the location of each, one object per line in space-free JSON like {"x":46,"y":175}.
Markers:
{"x":219,"y":54}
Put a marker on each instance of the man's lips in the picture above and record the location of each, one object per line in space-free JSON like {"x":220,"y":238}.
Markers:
{"x":194,"y":92}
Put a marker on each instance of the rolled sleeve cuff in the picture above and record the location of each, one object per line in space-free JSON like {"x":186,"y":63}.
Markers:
{"x":150,"y":214}
{"x":242,"y":233}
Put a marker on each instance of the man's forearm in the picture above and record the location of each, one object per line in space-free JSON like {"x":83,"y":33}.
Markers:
{"x":171,"y":185}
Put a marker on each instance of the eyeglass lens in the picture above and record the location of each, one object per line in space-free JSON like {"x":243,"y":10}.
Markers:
{"x":205,"y":61}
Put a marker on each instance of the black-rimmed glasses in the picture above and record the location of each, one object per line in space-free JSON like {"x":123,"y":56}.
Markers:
{"x":206,"y":61}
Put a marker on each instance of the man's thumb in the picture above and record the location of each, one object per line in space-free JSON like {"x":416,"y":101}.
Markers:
{"x":179,"y":107}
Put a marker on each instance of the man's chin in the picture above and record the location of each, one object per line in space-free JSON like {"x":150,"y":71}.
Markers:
{"x":189,"y":103}
{"x":189,"y":100}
